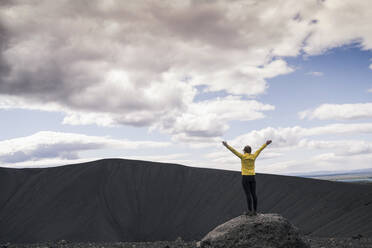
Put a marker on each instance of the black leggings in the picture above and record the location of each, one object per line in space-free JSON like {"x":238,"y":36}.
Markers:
{"x":249,"y":185}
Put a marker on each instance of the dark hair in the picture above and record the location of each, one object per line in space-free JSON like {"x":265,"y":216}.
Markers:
{"x":247,"y":149}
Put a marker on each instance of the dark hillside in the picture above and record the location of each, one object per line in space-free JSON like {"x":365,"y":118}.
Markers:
{"x":129,"y":200}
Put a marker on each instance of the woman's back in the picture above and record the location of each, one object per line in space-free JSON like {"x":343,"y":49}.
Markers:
{"x":247,"y":159}
{"x":248,"y":164}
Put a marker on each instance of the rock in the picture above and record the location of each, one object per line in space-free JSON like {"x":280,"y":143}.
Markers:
{"x":263,"y":230}
{"x":359,"y":236}
{"x":179,"y":240}
{"x":62,"y":242}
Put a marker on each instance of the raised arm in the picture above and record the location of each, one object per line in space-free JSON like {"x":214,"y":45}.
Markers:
{"x":261,"y":148}
{"x":232,"y":149}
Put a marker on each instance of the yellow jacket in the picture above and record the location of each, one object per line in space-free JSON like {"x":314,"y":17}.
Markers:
{"x":247,"y":159}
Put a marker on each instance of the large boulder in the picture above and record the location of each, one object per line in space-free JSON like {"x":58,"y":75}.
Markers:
{"x":262,"y":230}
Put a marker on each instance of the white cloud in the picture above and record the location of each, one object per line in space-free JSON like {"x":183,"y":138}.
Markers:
{"x":124,"y":63}
{"x":208,"y":119}
{"x":370,"y":90}
{"x":315,"y":73}
{"x":339,"y":23}
{"x":298,"y":149}
{"x":63,"y":146}
{"x":128,"y":47}
{"x":291,"y":136}
{"x":46,"y":162}
{"x":14,"y":102}
{"x":202,"y":121}
{"x":117,"y":63}
{"x":339,"y":112}
{"x":294,"y":149}
{"x":370,"y":66}
{"x":81,"y":117}
{"x":247,"y":79}
{"x":343,"y":147}
{"x":325,"y":162}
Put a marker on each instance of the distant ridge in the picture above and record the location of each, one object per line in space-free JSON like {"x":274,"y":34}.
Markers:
{"x":331,"y":173}
{"x":131,"y":200}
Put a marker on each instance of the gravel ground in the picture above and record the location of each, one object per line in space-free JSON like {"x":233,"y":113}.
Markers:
{"x":315,"y":242}
{"x":355,"y":242}
{"x":64,"y":244}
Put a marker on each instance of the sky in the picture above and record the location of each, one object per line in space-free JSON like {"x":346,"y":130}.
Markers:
{"x":168,"y":81}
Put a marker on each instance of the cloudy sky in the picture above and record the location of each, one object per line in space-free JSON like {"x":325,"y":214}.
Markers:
{"x":169,"y":80}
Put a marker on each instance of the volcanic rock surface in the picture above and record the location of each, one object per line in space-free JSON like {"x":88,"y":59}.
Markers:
{"x":116,"y":200}
{"x":261,"y":231}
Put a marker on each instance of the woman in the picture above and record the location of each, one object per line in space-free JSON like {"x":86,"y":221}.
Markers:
{"x":248,"y":174}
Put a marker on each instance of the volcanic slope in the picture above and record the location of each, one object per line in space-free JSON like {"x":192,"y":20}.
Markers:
{"x":130,"y":200}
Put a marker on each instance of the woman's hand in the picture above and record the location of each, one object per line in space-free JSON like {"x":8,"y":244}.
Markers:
{"x":224,"y":143}
{"x":268,"y":142}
